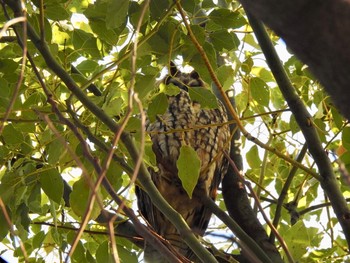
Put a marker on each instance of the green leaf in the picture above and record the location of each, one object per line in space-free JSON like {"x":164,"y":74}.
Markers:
{"x":38,"y":239}
{"x":197,"y":61}
{"x":11,"y":135}
{"x":247,"y":65}
{"x":79,"y":253}
{"x":158,"y":106}
{"x":200,"y":33}
{"x":158,"y":8}
{"x":226,"y":18}
{"x":133,"y":125}
{"x":113,"y":107}
{"x":171,"y":89}
{"x":298,"y":238}
{"x":225,"y":75}
{"x":87,"y":66}
{"x":56,"y":11}
{"x":263,"y":73}
{"x":79,"y":199}
{"x":34,"y":199}
{"x":346,"y":137}
{"x":52,"y":184}
{"x":55,"y":149}
{"x":103,"y":254}
{"x":34,"y":99}
{"x":260,"y":91}
{"x":253,"y":158}
{"x":167,"y":35}
{"x":8,"y":66}
{"x":85,"y":42}
{"x":22,"y":213}
{"x":117,"y":12}
{"x":223,"y":40}
{"x":276,"y":98}
{"x":136,"y":11}
{"x":251,"y":40}
{"x":204,"y":97}
{"x":99,"y":27}
{"x":144,"y":85}
{"x":126,"y":255}
{"x":5,"y":91}
{"x":114,"y":175}
{"x":188,"y":166}
{"x":319,"y":114}
{"x":294,"y":127}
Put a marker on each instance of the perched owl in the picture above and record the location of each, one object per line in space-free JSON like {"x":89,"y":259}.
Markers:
{"x":185,"y":122}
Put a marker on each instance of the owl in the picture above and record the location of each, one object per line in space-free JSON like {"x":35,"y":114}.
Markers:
{"x":185,"y":122}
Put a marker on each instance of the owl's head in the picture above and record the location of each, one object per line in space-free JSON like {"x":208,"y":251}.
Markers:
{"x":181,"y":79}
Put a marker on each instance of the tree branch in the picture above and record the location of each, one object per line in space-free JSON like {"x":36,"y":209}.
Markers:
{"x":328,"y":180}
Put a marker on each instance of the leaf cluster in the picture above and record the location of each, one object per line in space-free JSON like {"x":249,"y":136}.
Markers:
{"x":51,"y":142}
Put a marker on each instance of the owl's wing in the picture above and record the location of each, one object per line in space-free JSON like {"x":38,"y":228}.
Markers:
{"x":144,"y":202}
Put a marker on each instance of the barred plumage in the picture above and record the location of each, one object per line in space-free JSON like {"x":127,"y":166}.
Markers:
{"x":196,"y":127}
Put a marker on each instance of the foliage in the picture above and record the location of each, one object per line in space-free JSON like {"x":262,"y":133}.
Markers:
{"x":54,"y":149}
